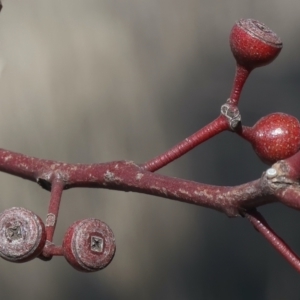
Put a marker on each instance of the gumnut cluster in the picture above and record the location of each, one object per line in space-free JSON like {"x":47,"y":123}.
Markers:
{"x":275,"y":136}
{"x":88,"y":245}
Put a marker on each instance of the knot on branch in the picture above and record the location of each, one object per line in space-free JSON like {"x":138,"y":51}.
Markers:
{"x":277,"y":177}
{"x":232,"y":114}
{"x":45,"y":179}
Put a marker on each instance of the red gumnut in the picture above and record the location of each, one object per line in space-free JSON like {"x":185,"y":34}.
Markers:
{"x":274,"y":137}
{"x":253,"y":44}
{"x":89,"y":245}
{"x":22,"y":235}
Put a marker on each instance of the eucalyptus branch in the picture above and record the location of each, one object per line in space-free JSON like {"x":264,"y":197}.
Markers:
{"x":89,"y":244}
{"x":130,"y":177}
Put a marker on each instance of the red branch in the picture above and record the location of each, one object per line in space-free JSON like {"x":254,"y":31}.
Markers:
{"x":95,"y":239}
{"x":218,"y":125}
{"x":127,"y":176}
{"x":261,"y":225}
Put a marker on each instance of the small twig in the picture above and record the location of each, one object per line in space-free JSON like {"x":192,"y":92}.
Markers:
{"x":241,"y":75}
{"x":56,"y":193}
{"x":261,"y":225}
{"x":210,"y":130}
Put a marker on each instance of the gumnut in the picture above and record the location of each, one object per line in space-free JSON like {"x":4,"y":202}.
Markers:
{"x":89,"y":245}
{"x":22,"y":235}
{"x":274,"y":137}
{"x":253,"y":44}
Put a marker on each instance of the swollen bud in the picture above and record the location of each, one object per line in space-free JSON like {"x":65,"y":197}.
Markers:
{"x":274,"y":137}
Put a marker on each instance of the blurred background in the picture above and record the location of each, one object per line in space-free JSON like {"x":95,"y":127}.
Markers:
{"x":99,"y":80}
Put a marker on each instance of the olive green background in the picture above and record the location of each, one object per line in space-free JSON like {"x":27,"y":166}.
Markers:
{"x":99,"y":80}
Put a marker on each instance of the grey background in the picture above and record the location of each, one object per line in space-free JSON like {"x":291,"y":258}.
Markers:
{"x":99,"y":80}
